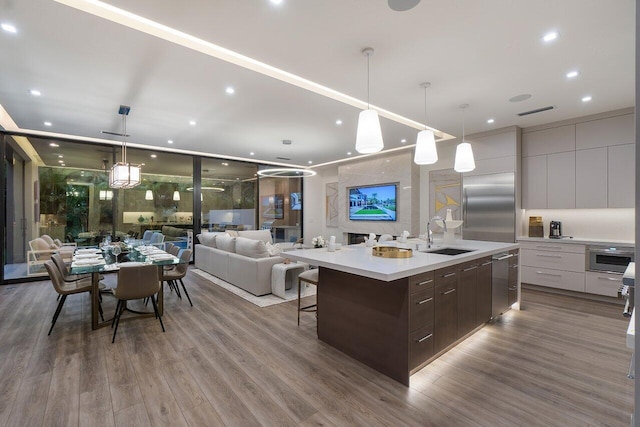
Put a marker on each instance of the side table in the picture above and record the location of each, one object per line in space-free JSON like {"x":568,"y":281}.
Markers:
{"x":279,"y":273}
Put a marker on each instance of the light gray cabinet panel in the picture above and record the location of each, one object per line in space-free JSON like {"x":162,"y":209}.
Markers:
{"x":534,"y":182}
{"x":621,"y":176}
{"x":591,"y":178}
{"x":561,"y":180}
{"x":605,"y":132}
{"x":548,"y":141}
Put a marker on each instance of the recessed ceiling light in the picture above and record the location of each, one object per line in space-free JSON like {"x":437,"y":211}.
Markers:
{"x":35,"y":92}
{"x":47,"y":123}
{"x":60,"y":161}
{"x":225,"y":164}
{"x":572,"y":74}
{"x":9,"y":28}
{"x":403,"y":140}
{"x":348,"y":153}
{"x":490,"y":121}
{"x":60,"y":156}
{"x":169,"y":142}
{"x":62,"y":164}
{"x":153,"y":156}
{"x":586,"y":98}
{"x":276,"y":2}
{"x":550,"y":36}
{"x":192,"y":122}
{"x":230,"y":90}
{"x":53,"y":144}
{"x":237,"y":179}
{"x":520,"y":98}
{"x":338,"y":122}
{"x":252,"y":153}
{"x":310,"y":161}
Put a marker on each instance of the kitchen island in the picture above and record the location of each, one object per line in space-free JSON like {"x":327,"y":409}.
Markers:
{"x":397,"y":314}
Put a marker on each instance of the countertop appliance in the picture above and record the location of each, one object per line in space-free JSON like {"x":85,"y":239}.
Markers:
{"x":555,"y":230}
{"x":489,"y":207}
{"x":609,"y":259}
{"x":500,"y":283}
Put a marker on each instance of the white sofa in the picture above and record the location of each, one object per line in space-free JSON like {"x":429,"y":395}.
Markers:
{"x":241,"y":260}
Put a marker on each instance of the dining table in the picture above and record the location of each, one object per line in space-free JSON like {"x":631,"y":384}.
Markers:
{"x":96,"y":261}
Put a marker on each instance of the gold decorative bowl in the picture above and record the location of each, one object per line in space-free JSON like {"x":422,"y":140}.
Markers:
{"x":391,"y":252}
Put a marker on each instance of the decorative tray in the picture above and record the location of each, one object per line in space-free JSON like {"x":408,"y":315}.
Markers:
{"x":391,"y":252}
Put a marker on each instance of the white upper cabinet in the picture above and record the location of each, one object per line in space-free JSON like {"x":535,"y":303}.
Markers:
{"x":561,"y":180}
{"x":591,"y":178}
{"x":616,"y":130}
{"x":549,"y":141}
{"x":621,"y":176}
{"x":534,"y":182}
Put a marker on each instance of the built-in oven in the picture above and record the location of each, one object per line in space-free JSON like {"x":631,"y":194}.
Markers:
{"x":609,"y":259}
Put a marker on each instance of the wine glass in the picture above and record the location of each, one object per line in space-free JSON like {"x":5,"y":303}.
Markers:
{"x":116,"y":250}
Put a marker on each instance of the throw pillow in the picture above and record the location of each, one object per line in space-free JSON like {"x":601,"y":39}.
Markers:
{"x":226,"y":243}
{"x":274,"y":249}
{"x":232,"y":233}
{"x":208,"y":239}
{"x":251,"y":248}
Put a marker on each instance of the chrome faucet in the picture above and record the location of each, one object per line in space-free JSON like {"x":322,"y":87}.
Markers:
{"x":430,"y":233}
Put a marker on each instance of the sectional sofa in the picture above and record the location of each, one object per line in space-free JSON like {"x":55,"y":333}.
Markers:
{"x":242,"y":258}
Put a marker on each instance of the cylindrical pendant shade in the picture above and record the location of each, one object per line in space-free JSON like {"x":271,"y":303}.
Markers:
{"x":464,"y":158}
{"x":369,"y":134}
{"x":148,"y":195}
{"x":176,"y":195}
{"x":426,"y":152}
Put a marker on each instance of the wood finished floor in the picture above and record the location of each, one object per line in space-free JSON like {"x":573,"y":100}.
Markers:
{"x":225,"y":362}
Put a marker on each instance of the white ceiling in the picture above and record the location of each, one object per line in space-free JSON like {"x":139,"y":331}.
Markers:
{"x":476,"y":52}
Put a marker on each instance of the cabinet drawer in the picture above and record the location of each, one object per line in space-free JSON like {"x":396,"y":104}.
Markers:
{"x":446,"y":276}
{"x":421,"y":311}
{"x":603,"y":283}
{"x":568,"y":280}
{"x":420,"y":282}
{"x":420,"y":346}
{"x":553,"y":246}
{"x":553,"y":260}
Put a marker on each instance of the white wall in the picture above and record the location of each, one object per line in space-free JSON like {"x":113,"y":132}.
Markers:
{"x":313,"y":199}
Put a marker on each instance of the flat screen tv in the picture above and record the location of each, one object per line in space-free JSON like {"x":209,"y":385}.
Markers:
{"x":373,"y":203}
{"x":296,"y":201}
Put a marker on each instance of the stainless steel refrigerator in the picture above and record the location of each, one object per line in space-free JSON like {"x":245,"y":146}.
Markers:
{"x":489,"y":207}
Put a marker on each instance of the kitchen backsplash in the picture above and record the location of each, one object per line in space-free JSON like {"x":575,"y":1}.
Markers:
{"x":605,"y":224}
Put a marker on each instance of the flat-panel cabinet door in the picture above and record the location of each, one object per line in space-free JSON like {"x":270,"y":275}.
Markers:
{"x":467,"y":297}
{"x":591,"y":178}
{"x":534,"y":182}
{"x":512,"y":289}
{"x":445,"y":309}
{"x":621,"y":176}
{"x":561,"y":180}
{"x":483,"y":291}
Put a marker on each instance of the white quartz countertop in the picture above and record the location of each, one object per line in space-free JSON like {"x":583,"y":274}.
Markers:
{"x":577,"y":241}
{"x":357,"y":259}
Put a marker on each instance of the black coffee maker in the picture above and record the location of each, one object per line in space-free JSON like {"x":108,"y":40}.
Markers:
{"x":555,"y":230}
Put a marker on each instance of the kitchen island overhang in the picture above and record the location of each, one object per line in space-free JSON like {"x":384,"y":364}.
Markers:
{"x":381,"y":311}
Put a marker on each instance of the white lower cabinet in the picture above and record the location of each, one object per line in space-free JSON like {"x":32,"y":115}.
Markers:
{"x":603,"y":283}
{"x":568,"y":280}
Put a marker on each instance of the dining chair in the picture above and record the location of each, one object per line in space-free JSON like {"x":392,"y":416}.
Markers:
{"x":168,"y":246}
{"x":174,"y":250}
{"x":157,"y":239}
{"x":308,"y":276}
{"x":65,"y":288}
{"x":175,"y":275}
{"x":67,"y":277}
{"x":135,"y":282}
{"x":146,"y":236}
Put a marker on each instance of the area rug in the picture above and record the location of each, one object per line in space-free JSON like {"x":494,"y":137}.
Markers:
{"x":263,"y":301}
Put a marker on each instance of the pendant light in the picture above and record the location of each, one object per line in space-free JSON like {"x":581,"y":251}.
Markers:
{"x":123,"y":174}
{"x":148,"y":195}
{"x":464,"y":154}
{"x":369,"y":134}
{"x":426,"y":152}
{"x":176,"y":195}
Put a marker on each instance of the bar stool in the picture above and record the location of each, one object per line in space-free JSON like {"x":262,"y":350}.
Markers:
{"x":308,"y":276}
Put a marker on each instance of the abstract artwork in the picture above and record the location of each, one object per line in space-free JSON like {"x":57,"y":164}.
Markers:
{"x":332,"y":204}
{"x":445,"y":193}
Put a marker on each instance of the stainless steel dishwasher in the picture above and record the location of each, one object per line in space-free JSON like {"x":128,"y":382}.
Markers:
{"x":500,"y":283}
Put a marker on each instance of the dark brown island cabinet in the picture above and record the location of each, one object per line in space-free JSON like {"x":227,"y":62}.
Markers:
{"x":398,"y":327}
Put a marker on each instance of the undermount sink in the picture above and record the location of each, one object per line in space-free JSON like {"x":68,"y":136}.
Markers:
{"x":448,"y":251}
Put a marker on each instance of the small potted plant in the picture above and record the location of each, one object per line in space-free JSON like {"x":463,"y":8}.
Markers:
{"x":318,"y":242}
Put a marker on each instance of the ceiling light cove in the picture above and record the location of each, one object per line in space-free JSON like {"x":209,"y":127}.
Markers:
{"x":550,"y":36}
{"x":287,"y":173}
{"x":147,"y":26}
{"x":9,"y":28}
